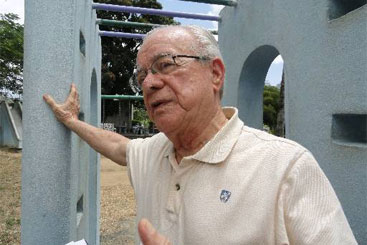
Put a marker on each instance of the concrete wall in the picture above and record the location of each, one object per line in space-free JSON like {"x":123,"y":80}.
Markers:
{"x":60,"y":173}
{"x":323,"y":44}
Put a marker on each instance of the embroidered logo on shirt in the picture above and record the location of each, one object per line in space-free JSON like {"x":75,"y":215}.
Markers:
{"x":225,"y":195}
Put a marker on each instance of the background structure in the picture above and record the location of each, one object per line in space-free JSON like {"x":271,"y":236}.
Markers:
{"x":11,"y":123}
{"x":323,"y":45}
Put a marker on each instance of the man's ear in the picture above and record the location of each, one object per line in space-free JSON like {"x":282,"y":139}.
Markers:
{"x":218,"y":72}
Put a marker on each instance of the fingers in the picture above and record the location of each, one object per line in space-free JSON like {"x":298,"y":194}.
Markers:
{"x":49,"y":100}
{"x":73,"y":93}
{"x":149,"y":236}
{"x":71,"y":104}
{"x":68,"y":111}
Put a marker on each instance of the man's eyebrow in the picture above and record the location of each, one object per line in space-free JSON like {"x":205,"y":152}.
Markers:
{"x":154,"y":58}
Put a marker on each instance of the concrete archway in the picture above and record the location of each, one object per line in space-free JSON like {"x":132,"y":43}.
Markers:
{"x":251,"y":85}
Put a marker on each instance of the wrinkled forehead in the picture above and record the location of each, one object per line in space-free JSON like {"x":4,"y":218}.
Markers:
{"x":165,"y":41}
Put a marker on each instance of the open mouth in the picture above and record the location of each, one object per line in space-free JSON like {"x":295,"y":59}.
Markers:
{"x":158,"y":103}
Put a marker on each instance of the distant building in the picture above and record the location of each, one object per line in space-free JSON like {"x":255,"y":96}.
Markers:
{"x":11,"y":132}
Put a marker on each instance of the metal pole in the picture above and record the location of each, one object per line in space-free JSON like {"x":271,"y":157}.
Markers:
{"x":121,"y":34}
{"x":137,"y":10}
{"x":122,"y":97}
{"x":119,"y":23}
{"x":219,"y":2}
{"x":103,"y":110}
{"x":138,"y":25}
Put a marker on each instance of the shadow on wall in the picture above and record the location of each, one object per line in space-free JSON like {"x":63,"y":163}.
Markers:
{"x":338,"y":8}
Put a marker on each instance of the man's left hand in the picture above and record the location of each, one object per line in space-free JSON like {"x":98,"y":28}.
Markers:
{"x":149,"y":236}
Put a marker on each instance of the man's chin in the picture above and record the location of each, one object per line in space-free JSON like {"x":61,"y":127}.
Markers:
{"x":165,"y":126}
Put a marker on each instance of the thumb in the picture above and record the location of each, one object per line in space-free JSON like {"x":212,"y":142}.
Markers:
{"x":149,"y":236}
{"x":49,"y":100}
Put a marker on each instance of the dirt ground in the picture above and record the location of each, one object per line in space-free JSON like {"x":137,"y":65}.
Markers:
{"x":118,"y":209}
{"x":10,"y":176}
{"x":117,"y":222}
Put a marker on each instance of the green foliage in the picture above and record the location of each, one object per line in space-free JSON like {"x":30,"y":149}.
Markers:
{"x":141,"y":116}
{"x":11,"y":55}
{"x":271,"y":105}
{"x":10,"y":222}
{"x":119,"y":54}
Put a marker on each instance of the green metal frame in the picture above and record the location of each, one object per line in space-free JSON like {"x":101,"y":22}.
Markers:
{"x":122,"y":97}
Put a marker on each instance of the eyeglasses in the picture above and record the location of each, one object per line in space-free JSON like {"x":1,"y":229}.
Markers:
{"x":164,"y":64}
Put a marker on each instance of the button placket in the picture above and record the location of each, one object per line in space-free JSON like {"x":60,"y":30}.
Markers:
{"x":172,"y":205}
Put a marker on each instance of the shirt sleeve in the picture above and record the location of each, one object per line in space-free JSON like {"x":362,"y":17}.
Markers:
{"x":135,"y":157}
{"x":141,"y":156}
{"x":310,"y":209}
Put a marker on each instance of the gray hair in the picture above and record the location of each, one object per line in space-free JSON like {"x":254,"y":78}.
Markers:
{"x":205,"y":45}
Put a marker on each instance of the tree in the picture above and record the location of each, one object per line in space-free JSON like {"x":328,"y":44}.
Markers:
{"x":141,"y":116}
{"x":118,"y":54}
{"x":280,"y":128}
{"x":271,"y":106}
{"x":11,"y":55}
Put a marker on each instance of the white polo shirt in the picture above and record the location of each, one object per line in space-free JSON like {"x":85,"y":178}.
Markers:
{"x":244,"y":186}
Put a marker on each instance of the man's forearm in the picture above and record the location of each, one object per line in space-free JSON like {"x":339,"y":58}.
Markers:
{"x":109,"y":144}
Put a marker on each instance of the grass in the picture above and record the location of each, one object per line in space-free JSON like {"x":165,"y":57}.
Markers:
{"x":10,"y":179}
{"x":117,"y":204}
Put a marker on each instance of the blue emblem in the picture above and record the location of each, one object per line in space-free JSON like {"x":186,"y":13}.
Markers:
{"x":224,"y":196}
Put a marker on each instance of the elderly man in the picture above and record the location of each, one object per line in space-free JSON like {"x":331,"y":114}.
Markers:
{"x":208,"y":178}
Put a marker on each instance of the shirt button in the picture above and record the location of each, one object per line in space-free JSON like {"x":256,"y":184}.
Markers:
{"x":178,"y":187}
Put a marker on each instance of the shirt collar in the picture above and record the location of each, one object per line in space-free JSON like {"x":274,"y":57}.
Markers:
{"x":218,"y":148}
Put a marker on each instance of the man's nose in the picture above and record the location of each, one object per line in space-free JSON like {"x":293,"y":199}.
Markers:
{"x":152,"y":82}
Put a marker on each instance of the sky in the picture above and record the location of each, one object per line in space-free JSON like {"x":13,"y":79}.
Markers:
{"x":275,"y":71}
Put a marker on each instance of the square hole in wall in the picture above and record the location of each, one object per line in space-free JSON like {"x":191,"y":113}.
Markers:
{"x":349,"y":128}
{"x":338,"y":8}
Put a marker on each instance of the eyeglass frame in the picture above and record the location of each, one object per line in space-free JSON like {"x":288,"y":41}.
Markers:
{"x":154,"y":71}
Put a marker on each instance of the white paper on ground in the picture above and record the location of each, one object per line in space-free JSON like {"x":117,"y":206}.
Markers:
{"x":80,"y":242}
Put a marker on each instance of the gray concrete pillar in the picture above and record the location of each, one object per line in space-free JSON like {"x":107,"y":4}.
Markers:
{"x":60,"y":173}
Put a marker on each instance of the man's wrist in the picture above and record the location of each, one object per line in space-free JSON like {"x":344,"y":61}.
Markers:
{"x":70,"y":122}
